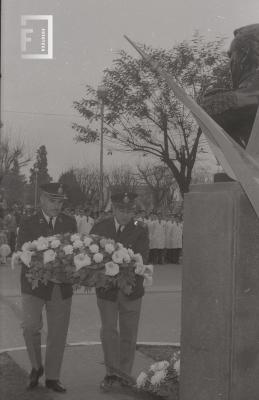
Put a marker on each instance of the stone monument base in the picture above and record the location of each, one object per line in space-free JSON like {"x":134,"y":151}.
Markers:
{"x":220,"y":298}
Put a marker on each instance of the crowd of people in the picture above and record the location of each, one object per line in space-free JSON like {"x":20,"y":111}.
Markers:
{"x":165,"y":236}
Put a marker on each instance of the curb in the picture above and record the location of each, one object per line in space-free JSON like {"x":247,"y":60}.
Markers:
{"x":94,"y":343}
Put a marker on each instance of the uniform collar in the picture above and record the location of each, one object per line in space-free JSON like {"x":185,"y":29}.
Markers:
{"x":47,"y":218}
{"x":117,"y":225}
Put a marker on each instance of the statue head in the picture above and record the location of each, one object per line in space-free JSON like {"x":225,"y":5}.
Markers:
{"x":244,"y":53}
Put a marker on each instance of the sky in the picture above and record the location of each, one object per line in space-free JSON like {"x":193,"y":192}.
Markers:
{"x":37,"y":95}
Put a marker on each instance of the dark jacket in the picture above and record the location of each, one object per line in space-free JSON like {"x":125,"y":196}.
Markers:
{"x":31,"y":229}
{"x":135,"y":237}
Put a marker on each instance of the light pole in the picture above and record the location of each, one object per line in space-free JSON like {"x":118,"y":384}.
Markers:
{"x":101,"y":91}
{"x":36,"y":170}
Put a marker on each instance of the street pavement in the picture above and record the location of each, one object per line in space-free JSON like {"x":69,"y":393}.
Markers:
{"x":83,"y":363}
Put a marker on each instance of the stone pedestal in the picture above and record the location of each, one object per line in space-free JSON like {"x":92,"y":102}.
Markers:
{"x":220,"y":298}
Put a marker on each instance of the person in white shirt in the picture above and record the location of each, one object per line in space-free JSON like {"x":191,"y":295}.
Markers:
{"x":177,"y":239}
{"x":159,"y":238}
{"x":150,"y":226}
{"x":169,"y":239}
{"x":84,"y":222}
{"x":89,"y":221}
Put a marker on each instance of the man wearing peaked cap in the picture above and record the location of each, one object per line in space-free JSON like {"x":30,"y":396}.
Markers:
{"x":119,"y":347}
{"x":124,"y":198}
{"x":55,"y":296}
{"x":54,"y":190}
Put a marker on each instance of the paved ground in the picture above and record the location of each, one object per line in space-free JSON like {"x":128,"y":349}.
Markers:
{"x":82,"y":367}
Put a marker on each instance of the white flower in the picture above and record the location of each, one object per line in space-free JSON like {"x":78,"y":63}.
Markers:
{"x":126,"y":258}
{"x":177,"y":366}
{"x":98,"y":257}
{"x":15,"y":259}
{"x":75,"y":237}
{"x":158,"y":377}
{"x":138,"y":258}
{"x":158,"y":366}
{"x":111,"y":268}
{"x":103,"y":242}
{"x":140,"y":268}
{"x":77,"y":244}
{"x":141,"y":380}
{"x":109,"y":248}
{"x":55,"y":243}
{"x":48,"y":256}
{"x":94,"y":248}
{"x":119,"y":245}
{"x":131,"y":253}
{"x":42,"y":244}
{"x":87,"y":241}
{"x":51,"y":238}
{"x":68,"y":249}
{"x":81,"y":260}
{"x":28,"y":246}
{"x":25,"y":257}
{"x":117,"y":257}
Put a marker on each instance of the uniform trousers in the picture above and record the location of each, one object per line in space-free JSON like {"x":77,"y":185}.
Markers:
{"x":119,"y":346}
{"x":58,"y":314}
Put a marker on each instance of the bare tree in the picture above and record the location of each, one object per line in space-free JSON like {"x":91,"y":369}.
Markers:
{"x":160,"y":182}
{"x":89,"y":182}
{"x":13,"y":156}
{"x":123,"y":177}
{"x":12,"y":152}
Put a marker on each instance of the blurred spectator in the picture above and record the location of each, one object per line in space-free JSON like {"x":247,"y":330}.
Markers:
{"x":3,"y":204}
{"x":11,"y":228}
{"x":3,"y":243}
{"x":169,"y":239}
{"x":159,"y":238}
{"x":17,"y":213}
{"x":151,"y":225}
{"x":177,"y":239}
{"x":84,"y":222}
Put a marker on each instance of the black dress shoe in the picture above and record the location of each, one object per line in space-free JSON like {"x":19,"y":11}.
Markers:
{"x":55,"y":385}
{"x":34,"y":377}
{"x":108,"y":382}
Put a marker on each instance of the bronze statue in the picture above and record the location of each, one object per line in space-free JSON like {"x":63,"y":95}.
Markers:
{"x":235,"y":109}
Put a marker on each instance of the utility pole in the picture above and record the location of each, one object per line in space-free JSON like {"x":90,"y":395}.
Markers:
{"x":101,"y":91}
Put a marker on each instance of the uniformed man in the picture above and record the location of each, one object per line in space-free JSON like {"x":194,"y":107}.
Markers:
{"x":55,"y":296}
{"x":119,"y":347}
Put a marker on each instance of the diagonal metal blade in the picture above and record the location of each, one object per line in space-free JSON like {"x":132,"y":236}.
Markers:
{"x":253,"y":143}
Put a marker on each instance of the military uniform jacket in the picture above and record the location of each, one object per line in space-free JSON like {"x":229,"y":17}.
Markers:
{"x":31,"y":229}
{"x":135,"y":237}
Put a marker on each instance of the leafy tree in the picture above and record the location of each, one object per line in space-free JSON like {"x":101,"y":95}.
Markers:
{"x":14,"y":184}
{"x":141,"y":112}
{"x":41,"y":165}
{"x":83,"y":185}
{"x":75,"y":193}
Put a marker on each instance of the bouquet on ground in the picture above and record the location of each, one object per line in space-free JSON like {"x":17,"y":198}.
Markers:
{"x":83,"y":260}
{"x":162,"y":378}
